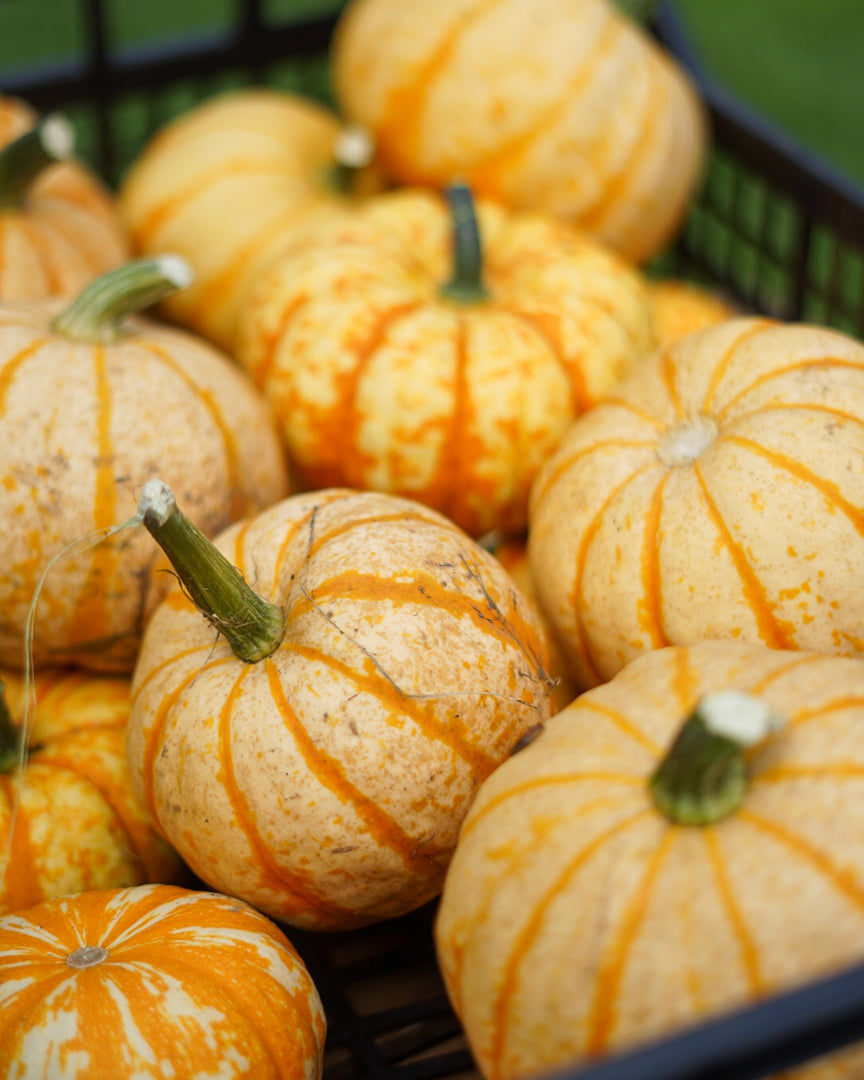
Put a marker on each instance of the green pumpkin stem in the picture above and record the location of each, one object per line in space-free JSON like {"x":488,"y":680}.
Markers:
{"x":96,"y":315}
{"x":703,"y":777}
{"x":10,"y":736}
{"x":353,"y":151}
{"x":252,"y":626}
{"x":466,"y":285}
{"x":23,"y":159}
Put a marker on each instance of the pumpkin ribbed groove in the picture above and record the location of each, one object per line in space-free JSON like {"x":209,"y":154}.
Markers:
{"x":617,"y":950}
{"x":532,"y":926}
{"x":590,"y":535}
{"x":331,"y":774}
{"x":773,"y":632}
{"x":748,"y":953}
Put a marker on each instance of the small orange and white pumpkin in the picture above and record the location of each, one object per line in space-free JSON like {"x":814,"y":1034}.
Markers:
{"x":151,"y":982}
{"x":715,"y":493}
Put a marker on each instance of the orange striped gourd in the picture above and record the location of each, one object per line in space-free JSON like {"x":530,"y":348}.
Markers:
{"x":92,"y":405}
{"x":322,"y":774}
{"x":70,"y":820}
{"x":154,"y":981}
{"x":716,"y":493}
{"x":226,"y":182}
{"x":565,"y":106}
{"x":59,"y":225}
{"x":406,"y":350}
{"x":584,"y":912}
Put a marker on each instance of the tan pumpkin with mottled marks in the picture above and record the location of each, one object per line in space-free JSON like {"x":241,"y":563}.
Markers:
{"x":69,"y":820}
{"x":383,"y":383}
{"x":83,"y":426}
{"x":577,"y":920}
{"x":717,"y":493}
{"x":65,"y":233}
{"x":326,"y":783}
{"x":564,"y":106}
{"x":153,"y":982}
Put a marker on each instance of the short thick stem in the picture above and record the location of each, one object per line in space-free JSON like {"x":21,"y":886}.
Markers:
{"x":353,"y":151}
{"x":23,"y":159}
{"x":703,"y":777}
{"x":252,"y":626}
{"x":466,"y":285}
{"x":98,"y":312}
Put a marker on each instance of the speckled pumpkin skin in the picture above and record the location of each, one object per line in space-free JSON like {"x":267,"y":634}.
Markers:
{"x":223,"y":185}
{"x":576,"y":920}
{"x":560,"y":105}
{"x":82,"y":427}
{"x":716,"y":493}
{"x":77,"y":821}
{"x":326,"y":784}
{"x":67,"y":232}
{"x":383,"y":384}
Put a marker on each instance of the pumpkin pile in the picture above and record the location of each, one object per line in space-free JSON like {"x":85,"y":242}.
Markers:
{"x":378,"y":531}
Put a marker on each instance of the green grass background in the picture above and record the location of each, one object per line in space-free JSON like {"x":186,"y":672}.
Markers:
{"x":798,"y":61}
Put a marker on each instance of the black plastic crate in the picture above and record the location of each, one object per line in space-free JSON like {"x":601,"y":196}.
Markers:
{"x":773,"y":226}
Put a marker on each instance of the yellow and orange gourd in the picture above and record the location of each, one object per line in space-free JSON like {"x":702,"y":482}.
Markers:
{"x":438,"y":352}
{"x":59,"y":224}
{"x":312,"y":746}
{"x":93,"y":402}
{"x":69,"y":818}
{"x":227,"y":182}
{"x":608,"y":889}
{"x":715,"y":493}
{"x":565,"y":106}
{"x":155,"y":981}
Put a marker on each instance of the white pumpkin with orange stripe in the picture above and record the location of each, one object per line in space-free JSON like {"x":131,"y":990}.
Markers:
{"x":564,"y":106}
{"x":59,"y":225}
{"x":609,"y":889}
{"x":716,"y":493}
{"x":92,"y":404}
{"x":315,"y":752}
{"x":152,"y":982}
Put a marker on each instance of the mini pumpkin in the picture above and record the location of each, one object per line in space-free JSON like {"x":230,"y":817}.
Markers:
{"x":438,"y":352}
{"x":59,"y":225}
{"x":680,"y":307}
{"x":312,"y":746}
{"x":154,"y":981}
{"x":69,"y":818}
{"x":94,"y":401}
{"x":565,"y":106}
{"x":629,"y":874}
{"x":226,"y":182}
{"x":716,"y":493}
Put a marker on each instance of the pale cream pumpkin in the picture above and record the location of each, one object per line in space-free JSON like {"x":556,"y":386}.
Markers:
{"x":560,"y":105}
{"x":224,"y":183}
{"x":59,"y":224}
{"x":716,"y":493}
{"x":69,"y":818}
{"x":154,"y":982}
{"x":397,"y":363}
{"x":318,"y":757}
{"x":581,"y":916}
{"x":93,"y":404}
